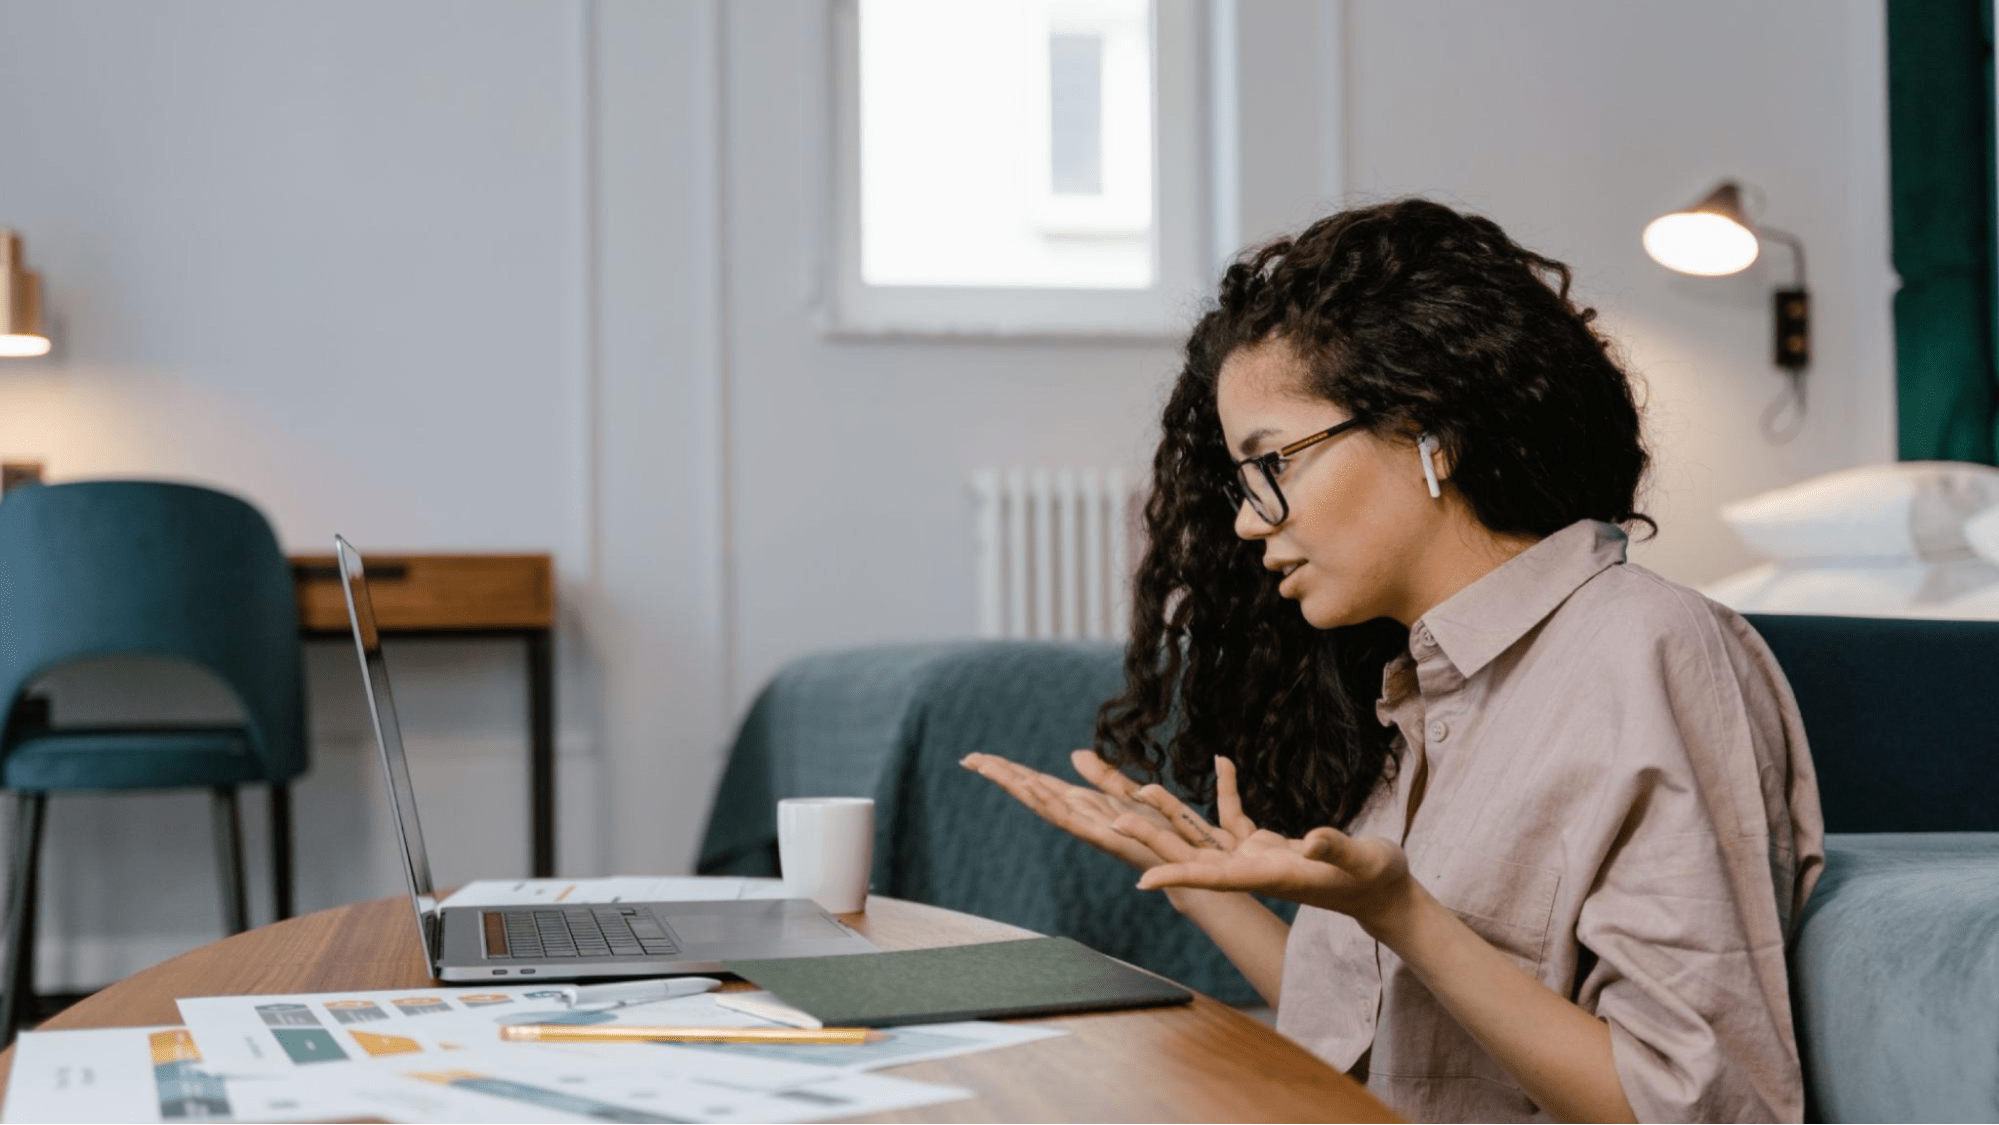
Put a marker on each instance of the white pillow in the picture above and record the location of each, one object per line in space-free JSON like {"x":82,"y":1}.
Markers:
{"x":1909,"y":589}
{"x":1982,"y":533}
{"x":1908,"y":510}
{"x":1980,"y":605}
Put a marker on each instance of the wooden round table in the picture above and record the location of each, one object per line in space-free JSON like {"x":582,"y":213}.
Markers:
{"x":1199,"y":1062}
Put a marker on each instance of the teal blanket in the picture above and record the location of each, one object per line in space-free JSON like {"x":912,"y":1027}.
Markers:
{"x":892,"y":723}
{"x":1895,"y":978}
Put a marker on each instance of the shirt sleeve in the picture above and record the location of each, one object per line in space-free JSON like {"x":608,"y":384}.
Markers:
{"x":1687,"y":916}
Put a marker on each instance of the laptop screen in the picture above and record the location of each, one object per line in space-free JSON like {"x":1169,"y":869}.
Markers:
{"x":389,"y":736}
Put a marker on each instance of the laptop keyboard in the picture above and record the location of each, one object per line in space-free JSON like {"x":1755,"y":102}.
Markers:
{"x":576,"y":931}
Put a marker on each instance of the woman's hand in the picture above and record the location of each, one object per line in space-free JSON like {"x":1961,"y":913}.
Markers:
{"x":1085,"y":812}
{"x":1247,"y":932}
{"x":1366,"y":878}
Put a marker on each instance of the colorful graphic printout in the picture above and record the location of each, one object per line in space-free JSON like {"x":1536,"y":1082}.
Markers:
{"x":187,"y":1093}
{"x":539,"y":1096}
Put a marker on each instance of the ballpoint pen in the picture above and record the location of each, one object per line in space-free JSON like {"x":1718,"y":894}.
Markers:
{"x":622,"y":994}
{"x":613,"y":1033}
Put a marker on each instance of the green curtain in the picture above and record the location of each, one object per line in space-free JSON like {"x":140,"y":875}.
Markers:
{"x":1940,"y":117}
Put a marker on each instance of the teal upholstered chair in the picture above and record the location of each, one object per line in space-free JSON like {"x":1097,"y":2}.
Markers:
{"x":139,"y":568}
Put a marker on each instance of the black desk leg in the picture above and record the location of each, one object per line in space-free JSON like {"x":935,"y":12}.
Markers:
{"x":281,"y":849}
{"x":541,"y":751}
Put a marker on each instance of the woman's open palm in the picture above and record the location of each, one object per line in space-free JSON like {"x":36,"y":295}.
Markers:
{"x":1356,"y":876}
{"x":1084,"y":811}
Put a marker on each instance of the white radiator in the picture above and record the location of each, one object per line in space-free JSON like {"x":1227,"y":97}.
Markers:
{"x":1054,"y":549}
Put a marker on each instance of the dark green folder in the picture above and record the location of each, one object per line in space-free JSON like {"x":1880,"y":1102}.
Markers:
{"x":1034,"y":977}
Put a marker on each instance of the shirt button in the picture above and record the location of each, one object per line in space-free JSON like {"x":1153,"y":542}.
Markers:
{"x":1439,"y":730}
{"x":1422,"y":636}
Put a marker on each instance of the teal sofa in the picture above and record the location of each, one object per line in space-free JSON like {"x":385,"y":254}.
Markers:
{"x":1896,"y":966}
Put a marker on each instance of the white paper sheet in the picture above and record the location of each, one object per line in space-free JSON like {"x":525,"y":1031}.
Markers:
{"x":158,"y":1075}
{"x":308,"y":1031}
{"x":524,"y":1083}
{"x":151,"y":1074}
{"x":275,"y":1035}
{"x":613,"y":888}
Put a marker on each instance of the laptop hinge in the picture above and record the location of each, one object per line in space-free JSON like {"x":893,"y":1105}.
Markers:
{"x":433,"y":942}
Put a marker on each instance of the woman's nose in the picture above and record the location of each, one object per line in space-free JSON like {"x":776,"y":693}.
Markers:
{"x":1249,"y":525}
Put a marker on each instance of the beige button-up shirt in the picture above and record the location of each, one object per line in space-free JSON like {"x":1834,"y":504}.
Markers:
{"x":1605,"y":775}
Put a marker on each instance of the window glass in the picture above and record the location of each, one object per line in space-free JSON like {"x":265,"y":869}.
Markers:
{"x":1007,"y":143}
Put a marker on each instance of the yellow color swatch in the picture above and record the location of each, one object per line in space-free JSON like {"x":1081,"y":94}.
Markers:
{"x":173,"y":1046}
{"x":385,"y":1044}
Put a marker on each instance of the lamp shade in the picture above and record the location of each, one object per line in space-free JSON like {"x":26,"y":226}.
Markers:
{"x":21,"y":331}
{"x":1709,"y":239}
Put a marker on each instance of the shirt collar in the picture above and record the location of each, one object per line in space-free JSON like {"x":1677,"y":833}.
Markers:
{"x":1484,"y":619}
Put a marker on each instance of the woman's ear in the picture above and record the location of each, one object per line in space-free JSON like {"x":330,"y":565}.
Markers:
{"x":1426,"y":446}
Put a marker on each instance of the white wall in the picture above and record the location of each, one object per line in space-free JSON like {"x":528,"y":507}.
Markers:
{"x":1573,"y":122}
{"x":338,"y":258}
{"x":538,"y":275}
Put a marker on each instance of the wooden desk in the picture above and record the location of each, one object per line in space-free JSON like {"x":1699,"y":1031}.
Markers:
{"x":459,"y":597}
{"x":1204,"y":1062}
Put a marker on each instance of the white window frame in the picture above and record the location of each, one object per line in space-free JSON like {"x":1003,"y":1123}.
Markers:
{"x":1122,"y":206}
{"x":1181,"y":243}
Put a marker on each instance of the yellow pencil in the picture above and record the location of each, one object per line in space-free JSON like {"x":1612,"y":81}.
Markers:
{"x":569,"y":1033}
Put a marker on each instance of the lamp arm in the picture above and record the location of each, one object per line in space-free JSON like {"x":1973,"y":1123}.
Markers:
{"x":1791,"y":240}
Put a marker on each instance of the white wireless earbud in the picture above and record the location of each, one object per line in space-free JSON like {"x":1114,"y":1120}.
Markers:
{"x":1427,"y":447}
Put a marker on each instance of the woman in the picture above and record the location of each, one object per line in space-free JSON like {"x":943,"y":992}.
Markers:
{"x":1548,"y":815}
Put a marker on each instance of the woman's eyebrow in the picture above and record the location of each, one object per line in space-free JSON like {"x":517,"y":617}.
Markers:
{"x":1249,"y":440}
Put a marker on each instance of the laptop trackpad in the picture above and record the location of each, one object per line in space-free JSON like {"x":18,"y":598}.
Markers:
{"x":734,"y":923}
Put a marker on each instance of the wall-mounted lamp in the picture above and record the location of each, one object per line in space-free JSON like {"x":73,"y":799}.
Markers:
{"x":1714,"y":238}
{"x":21,"y":331}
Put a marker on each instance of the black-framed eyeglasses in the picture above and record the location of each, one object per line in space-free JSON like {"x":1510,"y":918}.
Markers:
{"x":1255,"y":478}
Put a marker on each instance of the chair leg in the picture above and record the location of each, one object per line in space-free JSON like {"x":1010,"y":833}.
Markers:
{"x":17,"y":1004}
{"x":229,"y":857}
{"x":281,"y":849}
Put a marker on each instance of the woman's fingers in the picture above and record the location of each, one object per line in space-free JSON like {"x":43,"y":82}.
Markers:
{"x":1279,"y":872}
{"x":1083,"y":813}
{"x":1228,"y":801}
{"x":998,"y":770}
{"x":1328,"y":845}
{"x":1027,"y":786}
{"x":1016,"y":778}
{"x":1166,"y":843}
{"x":1222,"y":873}
{"x":1051,"y":798}
{"x":1100,"y":773}
{"x":1192,"y":826}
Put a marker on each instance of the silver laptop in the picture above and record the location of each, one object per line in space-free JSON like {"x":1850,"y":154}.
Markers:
{"x":567,"y":942}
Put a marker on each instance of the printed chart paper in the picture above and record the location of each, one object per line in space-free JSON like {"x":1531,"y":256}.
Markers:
{"x":151,"y":1074}
{"x":528,"y":1084}
{"x":158,"y":1075}
{"x":326,"y":1032}
{"x":279,"y":1034}
{"x":274,"y":1035}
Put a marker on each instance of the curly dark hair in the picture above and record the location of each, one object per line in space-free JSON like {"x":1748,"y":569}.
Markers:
{"x":1413,"y":317}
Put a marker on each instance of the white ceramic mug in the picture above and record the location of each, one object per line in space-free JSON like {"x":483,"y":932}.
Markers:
{"x":826,"y":846}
